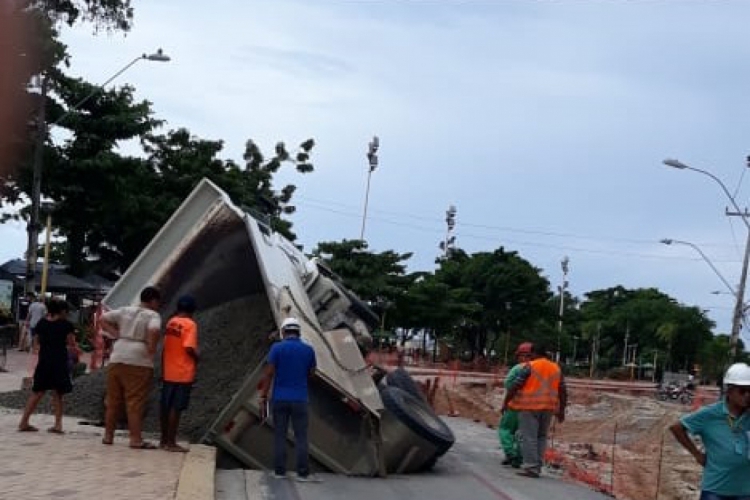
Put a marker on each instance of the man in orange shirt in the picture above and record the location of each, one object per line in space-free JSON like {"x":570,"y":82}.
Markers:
{"x":180,"y":359}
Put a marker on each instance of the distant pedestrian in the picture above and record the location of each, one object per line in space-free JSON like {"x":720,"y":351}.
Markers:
{"x":37,"y":311}
{"x":508,"y":428}
{"x":538,"y":394}
{"x":290,"y":363}
{"x":22,"y":313}
{"x":180,"y":359}
{"x":55,"y":333}
{"x":130,"y":375}
{"x":724,"y":430}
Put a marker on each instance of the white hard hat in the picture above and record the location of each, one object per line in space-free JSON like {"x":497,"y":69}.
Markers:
{"x":290,"y":324}
{"x":737,"y":374}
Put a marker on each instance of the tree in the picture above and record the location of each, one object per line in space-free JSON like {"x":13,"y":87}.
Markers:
{"x":512,"y":294}
{"x":110,"y":15}
{"x":109,"y":206}
{"x":647,"y":318}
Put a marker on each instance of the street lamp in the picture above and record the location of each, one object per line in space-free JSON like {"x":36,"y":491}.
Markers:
{"x":36,"y":183}
{"x":740,"y":291}
{"x":564,"y":265}
{"x":372,"y":159}
{"x":669,"y":241}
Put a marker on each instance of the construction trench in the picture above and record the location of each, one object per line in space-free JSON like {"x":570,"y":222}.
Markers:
{"x":246,"y":279}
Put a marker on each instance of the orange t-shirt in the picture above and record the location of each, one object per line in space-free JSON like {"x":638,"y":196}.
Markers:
{"x":180,"y":334}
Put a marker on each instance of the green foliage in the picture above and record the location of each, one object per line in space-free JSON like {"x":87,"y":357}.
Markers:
{"x":108,"y":206}
{"x":649,"y":318}
{"x":111,"y":15}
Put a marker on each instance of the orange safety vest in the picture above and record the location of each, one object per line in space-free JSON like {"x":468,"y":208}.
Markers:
{"x":542,"y":388}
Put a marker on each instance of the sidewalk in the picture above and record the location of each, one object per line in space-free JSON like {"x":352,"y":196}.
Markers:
{"x":40,"y":465}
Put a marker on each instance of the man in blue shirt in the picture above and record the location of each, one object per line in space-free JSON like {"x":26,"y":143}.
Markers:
{"x":724,"y":429}
{"x":290,"y":363}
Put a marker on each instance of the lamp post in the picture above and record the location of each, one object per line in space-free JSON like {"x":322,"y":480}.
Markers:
{"x":564,"y":265}
{"x":33,"y":226}
{"x":372,"y":161}
{"x":740,"y":291}
{"x":669,"y":241}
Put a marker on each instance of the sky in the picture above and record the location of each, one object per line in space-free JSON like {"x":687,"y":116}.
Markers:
{"x":544,"y":123}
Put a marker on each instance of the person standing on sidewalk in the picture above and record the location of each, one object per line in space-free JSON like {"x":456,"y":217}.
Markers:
{"x":538,"y":394}
{"x":22,"y":315}
{"x":37,"y":311}
{"x":180,"y":359}
{"x":724,"y":429}
{"x":130,"y":375}
{"x":508,"y":426}
{"x":290,"y":363}
{"x":55,"y":334}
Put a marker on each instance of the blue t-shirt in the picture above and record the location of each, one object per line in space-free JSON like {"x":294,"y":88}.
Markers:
{"x":293,"y":360}
{"x":725,"y":439}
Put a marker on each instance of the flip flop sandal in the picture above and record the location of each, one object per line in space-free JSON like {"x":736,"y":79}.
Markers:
{"x":54,"y":430}
{"x":144,"y":446}
{"x":175,"y":449}
{"x":28,"y":428}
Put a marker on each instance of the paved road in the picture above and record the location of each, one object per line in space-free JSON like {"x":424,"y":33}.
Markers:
{"x":471,"y":470}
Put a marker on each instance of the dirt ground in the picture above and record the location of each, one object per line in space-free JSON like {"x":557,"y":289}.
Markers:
{"x":618,"y":444}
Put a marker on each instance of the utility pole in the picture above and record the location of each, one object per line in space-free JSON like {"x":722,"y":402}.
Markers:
{"x":739,"y":304}
{"x":372,"y":160}
{"x":564,"y":265}
{"x":33,"y":226}
{"x":595,"y":350}
{"x":625,"y":348}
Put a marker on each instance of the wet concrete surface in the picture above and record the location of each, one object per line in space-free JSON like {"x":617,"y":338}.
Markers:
{"x":470,"y":470}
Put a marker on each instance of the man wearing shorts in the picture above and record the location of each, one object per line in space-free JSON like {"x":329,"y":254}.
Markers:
{"x":180,"y":357}
{"x":130,"y":375}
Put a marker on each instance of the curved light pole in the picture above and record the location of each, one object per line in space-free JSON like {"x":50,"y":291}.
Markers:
{"x":669,"y":241}
{"x":740,"y":291}
{"x":36,"y":182}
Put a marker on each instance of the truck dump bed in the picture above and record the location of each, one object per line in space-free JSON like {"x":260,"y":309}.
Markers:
{"x":237,"y":268}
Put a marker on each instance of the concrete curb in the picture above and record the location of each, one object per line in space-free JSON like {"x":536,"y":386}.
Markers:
{"x":197,"y":480}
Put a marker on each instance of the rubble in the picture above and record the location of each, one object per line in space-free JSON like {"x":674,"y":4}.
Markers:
{"x":225,"y":355}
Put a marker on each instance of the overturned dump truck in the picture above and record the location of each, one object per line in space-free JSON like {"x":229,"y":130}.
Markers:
{"x":360,"y":424}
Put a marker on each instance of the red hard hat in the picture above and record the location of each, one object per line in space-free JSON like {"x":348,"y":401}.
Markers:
{"x":525,"y":348}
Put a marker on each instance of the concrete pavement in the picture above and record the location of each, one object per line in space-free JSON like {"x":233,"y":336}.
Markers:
{"x":77,"y":466}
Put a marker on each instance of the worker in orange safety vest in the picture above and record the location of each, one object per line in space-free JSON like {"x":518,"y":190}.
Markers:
{"x":537,"y":395}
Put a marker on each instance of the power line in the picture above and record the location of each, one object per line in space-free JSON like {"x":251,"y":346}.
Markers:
{"x":436,"y":221}
{"x":316,"y":205}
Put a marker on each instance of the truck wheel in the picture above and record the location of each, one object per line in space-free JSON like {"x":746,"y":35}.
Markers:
{"x":400,"y":378}
{"x":417,"y":415}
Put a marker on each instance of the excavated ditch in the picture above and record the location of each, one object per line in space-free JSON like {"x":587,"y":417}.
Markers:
{"x":233,"y":340}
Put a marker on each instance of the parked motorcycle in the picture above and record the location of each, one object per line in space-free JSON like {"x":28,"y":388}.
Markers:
{"x":674,"y":392}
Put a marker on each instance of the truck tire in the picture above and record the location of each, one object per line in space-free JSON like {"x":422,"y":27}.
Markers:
{"x":400,"y":378}
{"x":417,"y":415}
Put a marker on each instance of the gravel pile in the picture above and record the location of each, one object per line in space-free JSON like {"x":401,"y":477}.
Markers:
{"x":233,"y":341}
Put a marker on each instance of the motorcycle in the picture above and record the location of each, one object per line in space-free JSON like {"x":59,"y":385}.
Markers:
{"x":676,"y":393}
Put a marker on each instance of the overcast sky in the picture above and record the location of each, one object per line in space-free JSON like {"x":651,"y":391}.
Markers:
{"x":544,"y":123}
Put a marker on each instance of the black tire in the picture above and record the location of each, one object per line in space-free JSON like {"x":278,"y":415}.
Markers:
{"x":400,"y":378}
{"x":417,"y":415}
